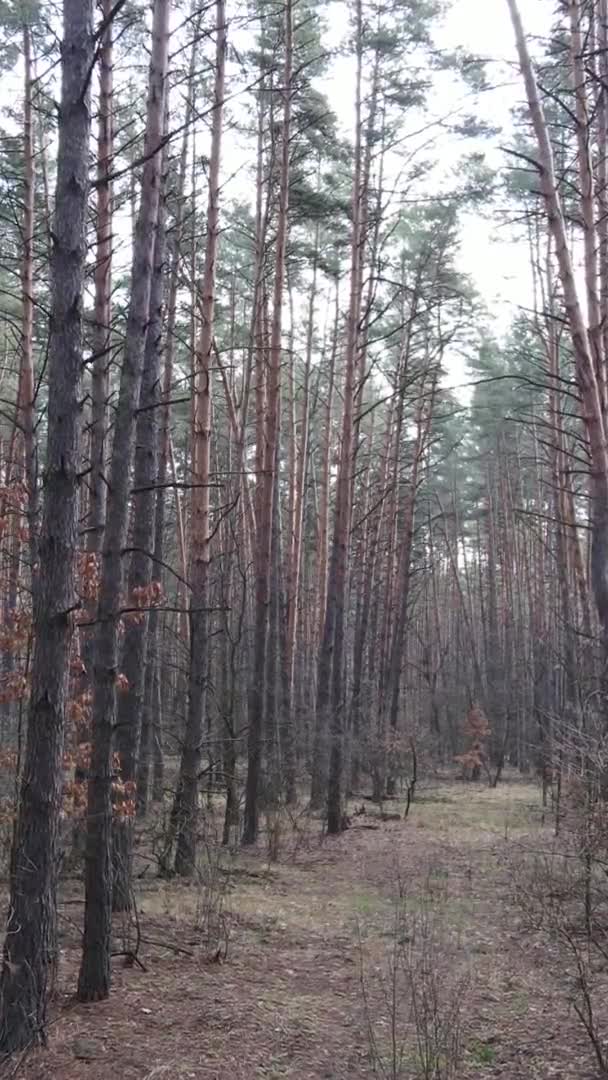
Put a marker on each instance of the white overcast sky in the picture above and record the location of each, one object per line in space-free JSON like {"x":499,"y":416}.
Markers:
{"x":489,"y":250}
{"x":489,"y":253}
{"x":499,"y":264}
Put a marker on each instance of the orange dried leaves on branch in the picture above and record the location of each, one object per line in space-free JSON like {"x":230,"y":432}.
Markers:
{"x":476,"y":731}
{"x":15,"y":630}
{"x":142,"y":598}
{"x":88,"y":576}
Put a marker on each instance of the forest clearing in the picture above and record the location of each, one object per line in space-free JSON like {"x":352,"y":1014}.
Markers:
{"x":310,"y":940}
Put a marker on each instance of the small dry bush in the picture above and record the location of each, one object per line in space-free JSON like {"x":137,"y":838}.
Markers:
{"x":211,"y":881}
{"x":414,"y":1010}
{"x":390,"y":759}
{"x":561,"y":892}
{"x":288,"y":832}
{"x":275,"y":827}
{"x":213,"y":885}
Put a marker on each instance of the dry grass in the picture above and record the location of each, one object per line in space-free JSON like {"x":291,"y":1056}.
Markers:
{"x":457,"y":811}
{"x":288,"y":1001}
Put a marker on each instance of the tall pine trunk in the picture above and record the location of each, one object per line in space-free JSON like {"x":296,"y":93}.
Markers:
{"x":103,"y":290}
{"x":267,"y":479}
{"x":26,"y":415}
{"x":589,"y":366}
{"x":151,"y":733}
{"x":140,"y":593}
{"x":330,"y":685}
{"x":186,"y":799}
{"x":319,"y":760}
{"x":94,"y":978}
{"x":102,"y":337}
{"x":30,"y":950}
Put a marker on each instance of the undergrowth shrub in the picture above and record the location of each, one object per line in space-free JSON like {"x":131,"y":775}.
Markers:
{"x":212,"y":882}
{"x":288,"y":832}
{"x":561,"y":893}
{"x":414,"y":1002}
{"x":213,"y":886}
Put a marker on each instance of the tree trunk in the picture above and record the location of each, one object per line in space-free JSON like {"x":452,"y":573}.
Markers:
{"x":186,"y":800}
{"x":338,"y":567}
{"x":267,"y":479}
{"x":299,"y":451}
{"x":140,"y":591}
{"x":103,"y":291}
{"x":319,"y":748}
{"x":100,"y":382}
{"x":151,"y":746}
{"x":94,"y":978}
{"x":30,"y":950}
{"x":25,"y":407}
{"x":585,"y":345}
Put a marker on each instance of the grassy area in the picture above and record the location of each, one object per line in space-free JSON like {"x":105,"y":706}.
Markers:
{"x":305,"y":989}
{"x":459,"y":810}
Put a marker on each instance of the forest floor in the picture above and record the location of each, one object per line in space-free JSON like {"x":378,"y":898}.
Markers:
{"x":305,"y":989}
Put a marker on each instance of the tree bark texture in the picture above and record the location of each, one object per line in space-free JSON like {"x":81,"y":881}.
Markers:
{"x":94,"y":978}
{"x":30,"y":950}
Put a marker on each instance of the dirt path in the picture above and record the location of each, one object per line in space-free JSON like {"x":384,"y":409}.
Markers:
{"x":288,"y":1001}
